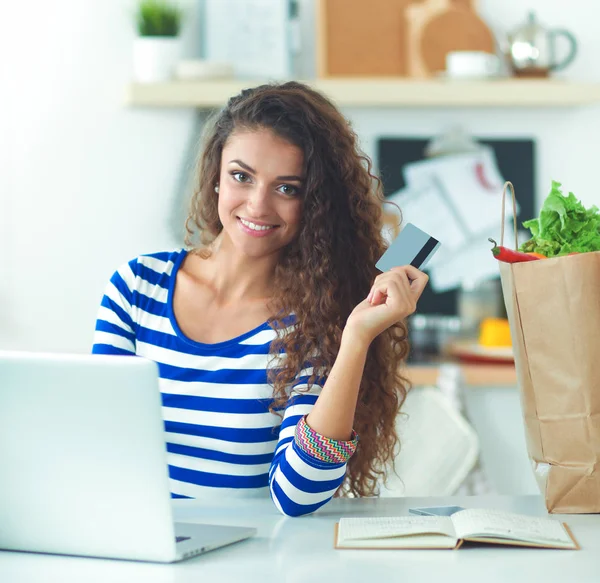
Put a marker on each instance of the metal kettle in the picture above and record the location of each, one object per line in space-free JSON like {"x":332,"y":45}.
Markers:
{"x":531,"y":50}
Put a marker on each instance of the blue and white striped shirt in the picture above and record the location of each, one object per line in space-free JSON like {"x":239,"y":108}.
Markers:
{"x":221,"y":437}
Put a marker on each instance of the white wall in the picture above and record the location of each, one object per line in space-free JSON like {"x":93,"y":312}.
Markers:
{"x":87,"y":183}
{"x":91,"y":182}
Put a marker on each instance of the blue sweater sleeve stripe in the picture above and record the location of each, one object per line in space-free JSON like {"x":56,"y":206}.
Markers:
{"x":119,"y":311}
{"x":148,"y":274}
{"x":219,"y":456}
{"x":304,"y":484}
{"x":173,"y":342}
{"x":232,"y":434}
{"x":223,"y":376}
{"x":103,"y":326}
{"x":218,"y":480}
{"x":122,"y":287}
{"x":290,"y":420}
{"x":292,"y":508}
{"x":216,"y":405}
{"x":108,"y":349}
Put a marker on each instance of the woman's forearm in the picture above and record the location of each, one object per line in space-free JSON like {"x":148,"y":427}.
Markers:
{"x":333,"y":413}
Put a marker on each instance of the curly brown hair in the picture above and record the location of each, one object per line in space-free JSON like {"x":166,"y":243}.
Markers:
{"x":328,"y":269}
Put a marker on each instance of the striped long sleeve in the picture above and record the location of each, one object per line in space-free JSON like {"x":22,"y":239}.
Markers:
{"x":301,"y":483}
{"x":220,"y":436}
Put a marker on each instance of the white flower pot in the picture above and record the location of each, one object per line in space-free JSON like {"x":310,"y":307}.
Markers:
{"x":155,"y":57}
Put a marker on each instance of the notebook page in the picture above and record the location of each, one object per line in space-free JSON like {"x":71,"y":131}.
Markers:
{"x":507,"y":525}
{"x":370,"y":528}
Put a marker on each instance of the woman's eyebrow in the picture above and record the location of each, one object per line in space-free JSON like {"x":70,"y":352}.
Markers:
{"x":250,"y":169}
{"x":293,"y":177}
{"x":244,"y":166}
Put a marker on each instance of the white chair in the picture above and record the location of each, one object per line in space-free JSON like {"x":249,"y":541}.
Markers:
{"x":439,"y":448}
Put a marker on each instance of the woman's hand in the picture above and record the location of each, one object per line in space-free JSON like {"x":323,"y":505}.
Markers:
{"x":392,"y":298}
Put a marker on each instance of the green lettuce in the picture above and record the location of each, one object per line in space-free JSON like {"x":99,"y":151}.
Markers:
{"x":564,"y":226}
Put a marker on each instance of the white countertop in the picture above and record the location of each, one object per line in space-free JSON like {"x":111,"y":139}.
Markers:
{"x":301,"y":549}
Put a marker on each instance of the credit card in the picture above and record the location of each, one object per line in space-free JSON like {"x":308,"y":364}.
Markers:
{"x":411,"y":247}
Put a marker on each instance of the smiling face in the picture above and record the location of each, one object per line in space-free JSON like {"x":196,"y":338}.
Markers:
{"x":260,"y":192}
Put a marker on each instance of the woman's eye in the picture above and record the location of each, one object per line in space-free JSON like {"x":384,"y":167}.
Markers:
{"x":288,"y":190}
{"x":240,"y":176}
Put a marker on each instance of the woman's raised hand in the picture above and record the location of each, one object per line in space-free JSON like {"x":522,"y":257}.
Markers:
{"x":393,"y":296}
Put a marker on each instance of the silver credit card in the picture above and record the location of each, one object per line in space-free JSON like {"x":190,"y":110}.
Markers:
{"x":411,"y":247}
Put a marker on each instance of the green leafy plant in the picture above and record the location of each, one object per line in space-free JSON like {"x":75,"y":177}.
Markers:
{"x":158,"y":18}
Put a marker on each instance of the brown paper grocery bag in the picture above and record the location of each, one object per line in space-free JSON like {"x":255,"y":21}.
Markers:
{"x":553,"y":307}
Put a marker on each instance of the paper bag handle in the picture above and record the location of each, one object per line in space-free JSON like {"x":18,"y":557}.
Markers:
{"x":514,"y":201}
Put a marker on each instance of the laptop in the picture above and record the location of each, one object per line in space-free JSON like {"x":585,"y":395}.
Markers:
{"x":84,"y":464}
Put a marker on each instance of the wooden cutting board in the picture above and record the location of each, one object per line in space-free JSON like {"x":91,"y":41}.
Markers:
{"x":383,"y":38}
{"x":437,"y":27}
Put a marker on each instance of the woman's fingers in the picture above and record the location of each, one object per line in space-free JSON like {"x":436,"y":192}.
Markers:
{"x":394,"y":287}
{"x":418,"y":279}
{"x":393,"y":297}
{"x":379,"y":294}
{"x":407,"y":281}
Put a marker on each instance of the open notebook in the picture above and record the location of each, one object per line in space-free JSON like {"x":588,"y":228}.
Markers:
{"x":449,"y":532}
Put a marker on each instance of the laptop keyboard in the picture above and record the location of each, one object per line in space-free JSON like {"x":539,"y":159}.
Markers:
{"x":179,"y":539}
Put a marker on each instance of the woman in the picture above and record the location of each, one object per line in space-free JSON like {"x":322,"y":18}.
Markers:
{"x":274,"y":336}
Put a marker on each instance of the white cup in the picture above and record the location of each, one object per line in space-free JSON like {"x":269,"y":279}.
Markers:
{"x":471,"y":64}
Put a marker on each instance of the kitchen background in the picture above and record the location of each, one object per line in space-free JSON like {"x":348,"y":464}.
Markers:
{"x":87,"y":181}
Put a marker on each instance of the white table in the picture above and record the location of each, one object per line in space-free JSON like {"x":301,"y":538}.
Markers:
{"x":301,"y":549}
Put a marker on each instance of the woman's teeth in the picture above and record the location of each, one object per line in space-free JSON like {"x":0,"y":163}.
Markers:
{"x":257,"y":227}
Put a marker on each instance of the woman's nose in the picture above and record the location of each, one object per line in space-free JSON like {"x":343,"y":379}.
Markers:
{"x":258,"y":201}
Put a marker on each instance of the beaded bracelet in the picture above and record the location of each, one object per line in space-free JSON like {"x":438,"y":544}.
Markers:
{"x":322,"y":448}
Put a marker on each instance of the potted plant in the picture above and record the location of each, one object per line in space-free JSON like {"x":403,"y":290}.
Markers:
{"x":157,"y":47}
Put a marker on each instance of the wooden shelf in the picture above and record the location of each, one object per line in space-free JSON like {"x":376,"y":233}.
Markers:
{"x":383,"y":93}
